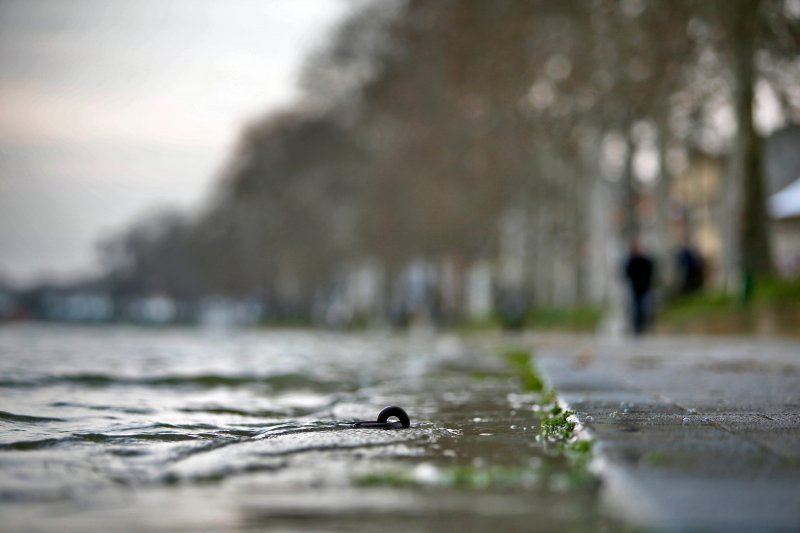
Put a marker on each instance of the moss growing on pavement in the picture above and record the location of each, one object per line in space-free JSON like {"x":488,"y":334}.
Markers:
{"x":565,"y":458}
{"x":579,"y":449}
{"x":555,"y":423}
{"x":471,"y":478}
{"x":557,"y":427}
{"x":521,"y":362}
{"x":386,"y":479}
{"x":551,"y":475}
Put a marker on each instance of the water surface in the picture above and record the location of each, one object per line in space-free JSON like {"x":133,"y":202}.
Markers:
{"x":127,"y":428}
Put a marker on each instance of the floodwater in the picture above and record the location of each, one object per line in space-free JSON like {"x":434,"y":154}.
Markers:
{"x":121,"y":428}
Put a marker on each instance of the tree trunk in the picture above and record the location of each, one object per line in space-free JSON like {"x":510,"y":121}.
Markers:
{"x":664,"y":243}
{"x":755,"y":255}
{"x":630,"y":230}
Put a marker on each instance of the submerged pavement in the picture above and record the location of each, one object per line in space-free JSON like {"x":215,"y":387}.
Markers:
{"x":691,"y":433}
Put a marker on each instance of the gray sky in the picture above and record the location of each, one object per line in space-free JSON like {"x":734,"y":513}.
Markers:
{"x":111,"y":107}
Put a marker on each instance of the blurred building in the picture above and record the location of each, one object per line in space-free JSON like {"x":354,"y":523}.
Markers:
{"x":785,"y":212}
{"x":698,"y":199}
{"x":697,"y":211}
{"x":782,"y":162}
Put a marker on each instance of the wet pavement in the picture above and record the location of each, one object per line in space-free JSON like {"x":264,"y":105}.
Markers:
{"x":691,"y":433}
{"x":134,"y":429}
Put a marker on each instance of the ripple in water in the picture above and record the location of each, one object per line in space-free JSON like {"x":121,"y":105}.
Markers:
{"x":109,"y":419}
{"x":144,"y":429}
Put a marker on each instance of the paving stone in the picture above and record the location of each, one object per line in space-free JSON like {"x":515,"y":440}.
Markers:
{"x":698,"y":434}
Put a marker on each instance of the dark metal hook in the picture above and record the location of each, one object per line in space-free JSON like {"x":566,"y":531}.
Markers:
{"x":383,"y":419}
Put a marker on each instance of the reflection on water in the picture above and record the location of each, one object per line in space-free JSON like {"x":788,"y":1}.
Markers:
{"x":187,"y":428}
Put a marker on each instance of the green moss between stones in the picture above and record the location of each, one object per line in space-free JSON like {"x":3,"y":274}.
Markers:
{"x":557,"y":427}
{"x":386,"y":479}
{"x":557,"y":435}
{"x":521,"y":362}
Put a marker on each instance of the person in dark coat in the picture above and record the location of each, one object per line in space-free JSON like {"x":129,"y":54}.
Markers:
{"x":690,"y":269}
{"x":640,"y":274}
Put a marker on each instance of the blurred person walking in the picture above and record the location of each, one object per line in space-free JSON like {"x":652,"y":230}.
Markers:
{"x":640,"y":273}
{"x":690,"y":268}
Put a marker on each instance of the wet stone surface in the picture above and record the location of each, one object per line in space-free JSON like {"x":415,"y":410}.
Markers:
{"x":691,"y":433}
{"x":130,"y":429}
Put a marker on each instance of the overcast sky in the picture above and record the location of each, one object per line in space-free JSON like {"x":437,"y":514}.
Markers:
{"x":109,"y":108}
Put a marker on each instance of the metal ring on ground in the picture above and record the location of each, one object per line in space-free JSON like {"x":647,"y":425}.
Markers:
{"x":383,"y":419}
{"x":366,"y":424}
{"x":395,"y":411}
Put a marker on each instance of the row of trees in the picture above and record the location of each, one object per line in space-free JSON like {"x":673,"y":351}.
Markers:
{"x":433,"y":129}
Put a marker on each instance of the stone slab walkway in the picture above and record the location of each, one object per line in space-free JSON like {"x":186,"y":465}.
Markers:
{"x":691,"y":433}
